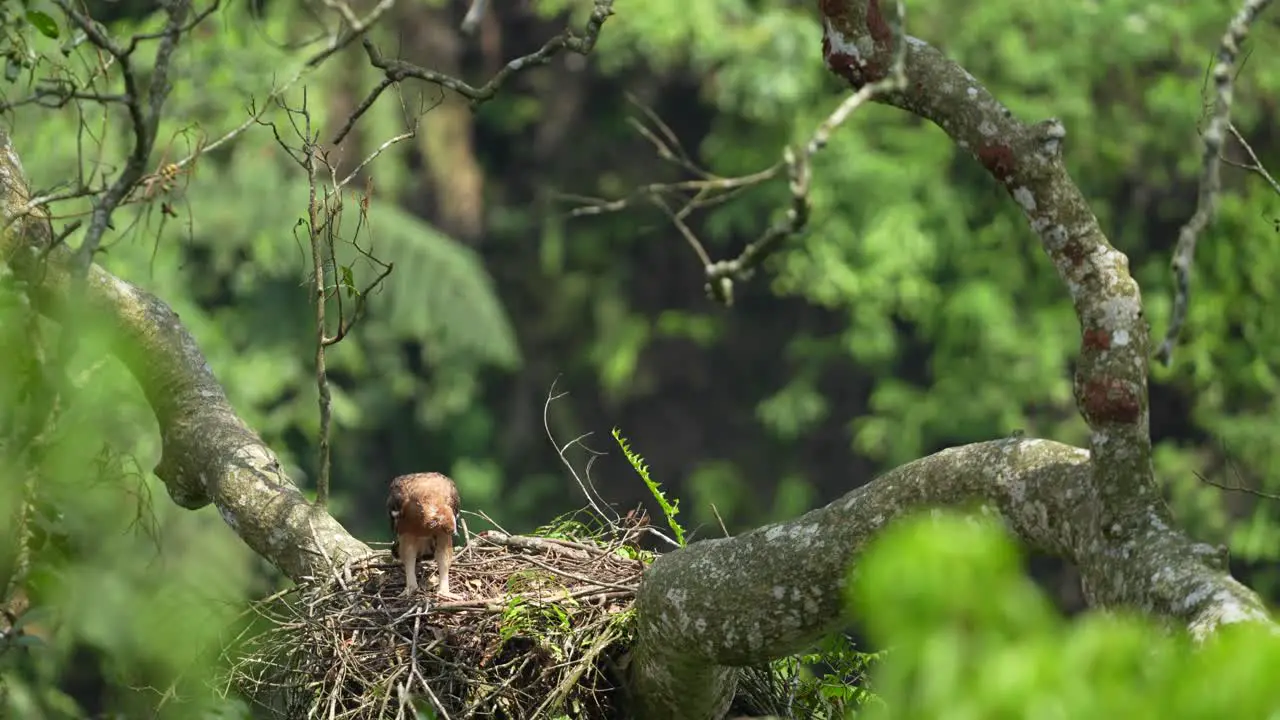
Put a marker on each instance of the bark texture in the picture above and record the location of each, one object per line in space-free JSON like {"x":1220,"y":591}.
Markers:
{"x":721,"y":604}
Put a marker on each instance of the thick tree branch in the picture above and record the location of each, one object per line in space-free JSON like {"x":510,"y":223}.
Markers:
{"x":721,"y":604}
{"x":1111,"y":370}
{"x":726,"y":603}
{"x":209,"y":453}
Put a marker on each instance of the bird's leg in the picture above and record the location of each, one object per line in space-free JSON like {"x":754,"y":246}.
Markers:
{"x":444,"y":556}
{"x":408,"y":557}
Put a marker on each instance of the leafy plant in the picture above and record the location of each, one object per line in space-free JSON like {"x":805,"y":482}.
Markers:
{"x":972,"y":636}
{"x":670,"y":508}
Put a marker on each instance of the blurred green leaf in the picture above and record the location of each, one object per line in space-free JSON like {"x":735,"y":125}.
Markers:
{"x":44,"y":23}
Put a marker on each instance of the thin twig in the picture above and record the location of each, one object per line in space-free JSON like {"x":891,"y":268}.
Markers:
{"x":588,"y":490}
{"x":1214,"y":138}
{"x":395,"y":70}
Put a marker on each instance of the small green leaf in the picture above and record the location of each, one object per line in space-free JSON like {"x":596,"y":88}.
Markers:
{"x":45,"y":24}
{"x":348,"y":280}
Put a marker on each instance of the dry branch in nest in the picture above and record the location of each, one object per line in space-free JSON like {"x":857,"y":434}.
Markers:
{"x":541,"y":634}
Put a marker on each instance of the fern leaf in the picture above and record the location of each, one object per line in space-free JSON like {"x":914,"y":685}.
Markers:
{"x":670,"y":508}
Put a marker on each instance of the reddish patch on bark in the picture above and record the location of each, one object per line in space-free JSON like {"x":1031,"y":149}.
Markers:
{"x":1096,"y":339}
{"x":1074,"y":251}
{"x":876,"y":24}
{"x":998,"y":160}
{"x":876,"y":68}
{"x":842,"y":64}
{"x":854,"y":68}
{"x":1110,"y":400}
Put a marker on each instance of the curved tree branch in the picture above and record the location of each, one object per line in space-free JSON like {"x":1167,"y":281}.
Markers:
{"x":1215,"y":138}
{"x":725,"y":603}
{"x":209,"y":453}
{"x":1111,"y":373}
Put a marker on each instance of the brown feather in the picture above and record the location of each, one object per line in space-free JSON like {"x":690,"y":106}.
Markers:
{"x":422,"y":505}
{"x":422,"y":509}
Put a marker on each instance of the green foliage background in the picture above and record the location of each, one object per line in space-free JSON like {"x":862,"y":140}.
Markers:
{"x":972,"y":637}
{"x":916,"y":313}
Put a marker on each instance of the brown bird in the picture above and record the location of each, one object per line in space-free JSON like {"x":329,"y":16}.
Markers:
{"x":423,"y":508}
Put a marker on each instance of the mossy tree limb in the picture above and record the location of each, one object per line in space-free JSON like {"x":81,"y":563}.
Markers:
{"x":726,"y":603}
{"x":209,"y":454}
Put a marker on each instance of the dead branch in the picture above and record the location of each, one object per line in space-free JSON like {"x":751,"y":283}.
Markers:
{"x":395,"y":70}
{"x":1214,"y":138}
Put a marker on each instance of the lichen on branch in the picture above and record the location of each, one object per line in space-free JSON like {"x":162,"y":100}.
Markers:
{"x":1026,"y":159}
{"x":721,"y":604}
{"x":727,"y":603}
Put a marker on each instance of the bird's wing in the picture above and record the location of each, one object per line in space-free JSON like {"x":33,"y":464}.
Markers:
{"x":422,"y":503}
{"x":395,"y":509}
{"x":455,"y":503}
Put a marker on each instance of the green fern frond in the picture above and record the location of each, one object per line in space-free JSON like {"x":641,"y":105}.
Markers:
{"x":670,"y":508}
{"x":441,"y":290}
{"x":439,"y":293}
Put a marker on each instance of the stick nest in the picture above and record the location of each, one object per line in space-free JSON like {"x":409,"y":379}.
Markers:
{"x":541,"y":633}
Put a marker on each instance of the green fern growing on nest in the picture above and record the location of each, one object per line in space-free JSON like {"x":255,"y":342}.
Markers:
{"x":670,"y":508}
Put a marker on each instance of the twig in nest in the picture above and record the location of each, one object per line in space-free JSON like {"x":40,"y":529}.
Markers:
{"x":540,"y":632}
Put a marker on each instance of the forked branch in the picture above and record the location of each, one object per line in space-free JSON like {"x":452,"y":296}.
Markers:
{"x":395,"y":70}
{"x":209,"y":454}
{"x":723,"y":604}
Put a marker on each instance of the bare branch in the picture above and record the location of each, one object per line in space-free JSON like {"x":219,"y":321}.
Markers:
{"x":596,"y":503}
{"x":356,"y":27}
{"x":309,"y":150}
{"x":1237,"y":488}
{"x":398,"y":70}
{"x":58,"y":92}
{"x":1215,"y":137}
{"x":208,"y":453}
{"x":710,"y":189}
{"x":721,"y":275}
{"x":145,"y":119}
{"x":323,"y":225}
